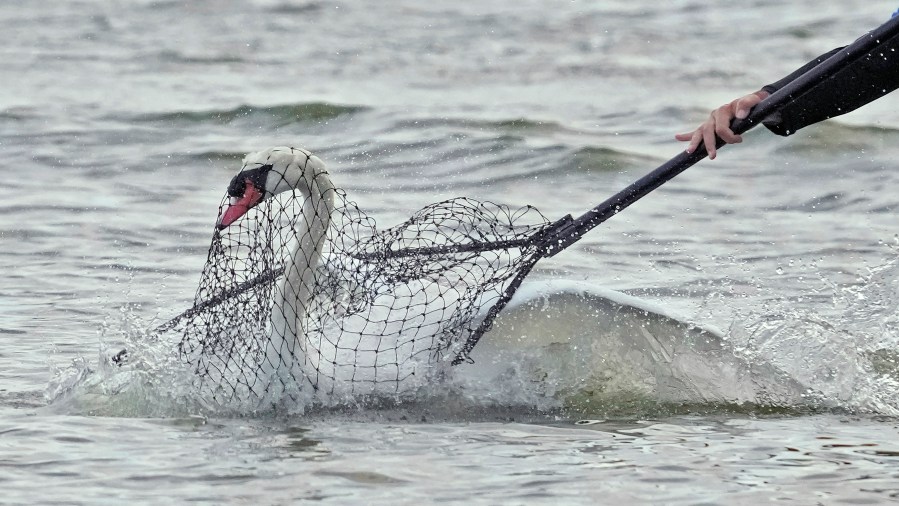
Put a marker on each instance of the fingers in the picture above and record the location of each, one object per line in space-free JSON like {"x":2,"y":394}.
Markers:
{"x":722,"y":117}
{"x":708,"y":137}
{"x":695,"y":137}
{"x":718,"y":124}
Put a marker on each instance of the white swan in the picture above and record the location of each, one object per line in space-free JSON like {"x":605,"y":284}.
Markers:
{"x":265,"y":174}
{"x":383,"y":349}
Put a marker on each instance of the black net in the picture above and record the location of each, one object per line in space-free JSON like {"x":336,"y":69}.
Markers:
{"x":302,"y":295}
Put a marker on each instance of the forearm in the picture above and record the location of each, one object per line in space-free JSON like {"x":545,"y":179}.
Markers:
{"x":771,"y":88}
{"x":862,"y":82}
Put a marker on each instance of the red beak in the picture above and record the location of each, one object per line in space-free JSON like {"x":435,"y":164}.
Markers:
{"x":251,"y":197}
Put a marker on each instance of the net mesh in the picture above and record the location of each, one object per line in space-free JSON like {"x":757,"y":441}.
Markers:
{"x":303,"y":294}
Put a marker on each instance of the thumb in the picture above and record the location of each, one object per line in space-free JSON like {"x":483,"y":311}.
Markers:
{"x":745,"y":104}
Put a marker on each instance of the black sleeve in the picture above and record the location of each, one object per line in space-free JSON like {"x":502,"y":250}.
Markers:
{"x":864,"y":81}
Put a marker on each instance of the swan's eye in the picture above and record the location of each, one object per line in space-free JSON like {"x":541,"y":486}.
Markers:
{"x":256,"y":177}
{"x":237,"y":186}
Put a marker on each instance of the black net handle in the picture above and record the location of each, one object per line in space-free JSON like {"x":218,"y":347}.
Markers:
{"x":796,"y":88}
{"x":568,"y":230}
{"x":265,"y":278}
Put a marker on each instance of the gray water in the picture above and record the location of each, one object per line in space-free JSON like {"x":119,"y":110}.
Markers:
{"x":122,"y":123}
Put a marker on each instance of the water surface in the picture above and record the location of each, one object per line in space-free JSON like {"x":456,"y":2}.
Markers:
{"x":121,"y":125}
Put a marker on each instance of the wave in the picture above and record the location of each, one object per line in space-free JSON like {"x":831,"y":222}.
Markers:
{"x":598,"y":351}
{"x":279,"y":115}
{"x":514,"y":127}
{"x":170,"y":56}
{"x":833,"y":137}
{"x":602,"y":159}
{"x":828,"y":202}
{"x":17,"y":114}
{"x":228,"y":159}
{"x":296,"y":8}
{"x":487,"y":152}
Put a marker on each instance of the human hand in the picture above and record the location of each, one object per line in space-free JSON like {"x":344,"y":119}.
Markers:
{"x":718,"y":124}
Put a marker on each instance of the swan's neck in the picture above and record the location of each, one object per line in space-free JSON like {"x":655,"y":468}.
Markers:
{"x":297,"y":288}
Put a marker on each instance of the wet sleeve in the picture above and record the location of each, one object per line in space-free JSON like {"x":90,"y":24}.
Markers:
{"x":864,"y":81}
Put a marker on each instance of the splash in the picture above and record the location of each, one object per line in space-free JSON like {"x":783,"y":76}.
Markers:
{"x":561,"y":348}
{"x":153,"y":383}
{"x":848,"y":361}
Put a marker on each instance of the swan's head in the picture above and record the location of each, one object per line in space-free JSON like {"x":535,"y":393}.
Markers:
{"x":267,"y":173}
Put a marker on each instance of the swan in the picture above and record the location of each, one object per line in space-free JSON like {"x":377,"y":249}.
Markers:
{"x":384,"y":348}
{"x":265,"y":174}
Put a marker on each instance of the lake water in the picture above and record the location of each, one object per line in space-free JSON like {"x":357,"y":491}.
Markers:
{"x":771,"y":273}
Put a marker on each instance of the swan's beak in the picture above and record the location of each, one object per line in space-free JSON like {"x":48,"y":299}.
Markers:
{"x":239,"y":206}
